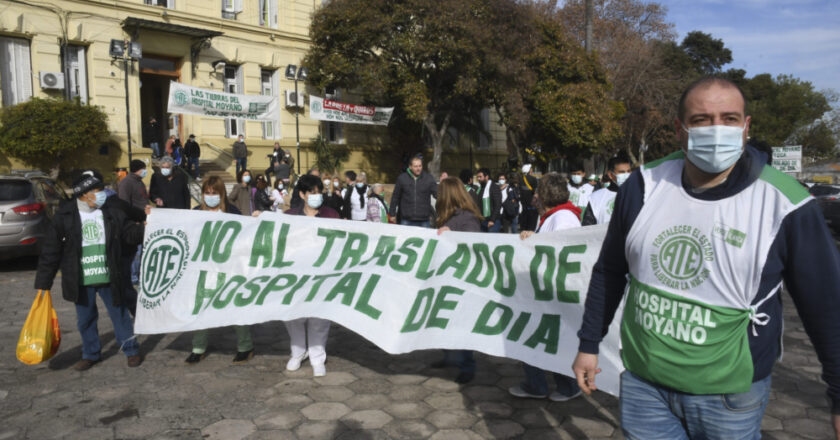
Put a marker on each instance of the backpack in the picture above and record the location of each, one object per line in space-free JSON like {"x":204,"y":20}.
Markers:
{"x":510,"y":208}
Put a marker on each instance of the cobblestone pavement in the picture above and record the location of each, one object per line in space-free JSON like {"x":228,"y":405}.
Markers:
{"x":366,"y":394}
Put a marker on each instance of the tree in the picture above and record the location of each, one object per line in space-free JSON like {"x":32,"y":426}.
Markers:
{"x":328,"y":156}
{"x":52,"y":133}
{"x":707,"y":53}
{"x":424,"y":56}
{"x":781,"y":106}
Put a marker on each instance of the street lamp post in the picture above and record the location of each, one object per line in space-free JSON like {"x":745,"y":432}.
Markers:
{"x":295,"y":74}
{"x":127,"y":52}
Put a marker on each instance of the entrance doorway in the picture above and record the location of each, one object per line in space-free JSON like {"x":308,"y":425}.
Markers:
{"x":155,"y":74}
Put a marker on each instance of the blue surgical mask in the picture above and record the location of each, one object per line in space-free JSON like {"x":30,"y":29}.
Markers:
{"x":360,"y":185}
{"x":246,"y":179}
{"x":714,"y":148}
{"x":166,"y":171}
{"x":502,"y":182}
{"x":621,"y":178}
{"x":212,"y":200}
{"x":577,"y":179}
{"x":143,"y":173}
{"x":101,"y":196}
{"x":315,"y":200}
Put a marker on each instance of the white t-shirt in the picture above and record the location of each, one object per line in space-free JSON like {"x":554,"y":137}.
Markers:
{"x":279,"y":200}
{"x":356,"y":210}
{"x":580,"y":196}
{"x":560,"y":220}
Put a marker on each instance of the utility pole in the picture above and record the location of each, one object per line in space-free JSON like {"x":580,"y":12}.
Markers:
{"x":589,"y":13}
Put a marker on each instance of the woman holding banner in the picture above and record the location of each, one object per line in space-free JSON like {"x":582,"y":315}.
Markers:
{"x":308,"y":336}
{"x":556,"y":214}
{"x":214,"y":199}
{"x":457,"y":212}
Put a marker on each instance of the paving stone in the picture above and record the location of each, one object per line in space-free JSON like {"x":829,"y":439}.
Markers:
{"x":451,"y":419}
{"x":483,"y":393}
{"x":90,"y":434}
{"x":295,"y":385}
{"x":363,"y":435}
{"x":318,"y":430}
{"x":229,"y":429}
{"x":438,"y":384}
{"x":548,"y":434}
{"x":371,"y":386}
{"x":275,"y":434}
{"x":455,"y":434}
{"x":589,"y":426}
{"x":138,"y":428}
{"x":810,"y":429}
{"x":536,"y":417}
{"x":408,"y":410}
{"x":493,"y":409}
{"x":288,"y":401}
{"x":336,"y":378}
{"x":409,"y":392}
{"x":770,"y":423}
{"x":498,"y":429}
{"x":447,"y":401}
{"x":325,"y":411}
{"x":330,"y":394}
{"x":278,"y":420}
{"x":406,"y":379}
{"x":367,"y":419}
{"x":409,"y":429}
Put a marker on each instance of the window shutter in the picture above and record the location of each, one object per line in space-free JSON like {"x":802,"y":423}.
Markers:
{"x":273,"y":19}
{"x":262,"y":12}
{"x":16,"y":72}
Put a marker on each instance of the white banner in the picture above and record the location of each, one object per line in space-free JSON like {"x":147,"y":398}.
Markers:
{"x":328,"y":110}
{"x":788,"y":159}
{"x":403,"y":288}
{"x":205,"y":102}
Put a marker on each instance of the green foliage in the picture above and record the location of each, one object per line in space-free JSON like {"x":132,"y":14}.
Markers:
{"x":328,"y":156}
{"x":707,"y":54}
{"x":781,"y":106}
{"x":49,"y":133}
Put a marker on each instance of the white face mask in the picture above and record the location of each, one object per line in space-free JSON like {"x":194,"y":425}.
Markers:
{"x":577,"y":179}
{"x":335,"y":184}
{"x":714,"y":148}
{"x":143,"y":173}
{"x":212,"y":200}
{"x":246,"y":179}
{"x":165,"y":171}
{"x":502,"y":182}
{"x":621,"y":178}
{"x":315,"y":200}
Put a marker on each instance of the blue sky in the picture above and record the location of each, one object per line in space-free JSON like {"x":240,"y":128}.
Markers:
{"x":800,"y":37}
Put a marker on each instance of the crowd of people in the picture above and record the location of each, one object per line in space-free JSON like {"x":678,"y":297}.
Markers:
{"x":762,"y":230}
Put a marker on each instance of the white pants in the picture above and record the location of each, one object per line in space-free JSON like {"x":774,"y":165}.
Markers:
{"x":311,"y":333}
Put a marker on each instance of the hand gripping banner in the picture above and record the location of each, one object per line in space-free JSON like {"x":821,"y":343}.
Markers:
{"x":403,"y":288}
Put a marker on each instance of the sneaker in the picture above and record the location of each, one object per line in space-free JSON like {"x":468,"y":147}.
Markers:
{"x":519,"y":392}
{"x":243,"y":357}
{"x":294,"y":362}
{"x":134,"y":361}
{"x":84,"y":364}
{"x":319,"y":370}
{"x":465,"y":378}
{"x":195,"y":358}
{"x":561,"y":397}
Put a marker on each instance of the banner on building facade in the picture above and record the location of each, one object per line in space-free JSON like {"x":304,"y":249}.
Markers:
{"x":403,"y":288}
{"x":328,"y":110}
{"x":788,"y":159}
{"x":215,"y":104}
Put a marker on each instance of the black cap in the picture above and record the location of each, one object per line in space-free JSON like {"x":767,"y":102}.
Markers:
{"x":136,"y":165}
{"x":85,"y":183}
{"x":192,"y":135}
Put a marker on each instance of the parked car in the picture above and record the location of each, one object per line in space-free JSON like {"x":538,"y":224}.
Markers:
{"x":828,"y":197}
{"x":28,"y":201}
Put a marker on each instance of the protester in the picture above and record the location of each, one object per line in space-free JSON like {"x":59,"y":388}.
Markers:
{"x":466,"y":179}
{"x":170,"y":143}
{"x":308,"y":336}
{"x":84,"y":240}
{"x":278,"y":196}
{"x":133,"y":190}
{"x":510,"y":205}
{"x":353,"y":207}
{"x":602,"y":202}
{"x":491,"y":201}
{"x":274,"y":159}
{"x":529,"y":216}
{"x":262,"y":200}
{"x":412,"y":197}
{"x":178,"y":152}
{"x":332,"y":198}
{"x":557,"y":213}
{"x":579,"y":191}
{"x":214,"y":199}
{"x":594,"y":180}
{"x":240,"y":154}
{"x":192,"y":152}
{"x":151,"y":135}
{"x":377,"y":208}
{"x":240,"y":194}
{"x":712,"y":231}
{"x":169,"y":187}
{"x":457,"y":212}
{"x":297,"y":201}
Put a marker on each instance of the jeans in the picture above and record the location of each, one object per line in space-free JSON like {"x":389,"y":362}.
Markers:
{"x":244,"y":342}
{"x":535,"y":382}
{"x":652,"y":412}
{"x":87,"y":315}
{"x":510,"y":225}
{"x":497,"y":226}
{"x":463,"y":359}
{"x":422,"y":223}
{"x":241,"y":164}
{"x":155,"y":148}
{"x":135,"y":265}
{"x":193,"y":162}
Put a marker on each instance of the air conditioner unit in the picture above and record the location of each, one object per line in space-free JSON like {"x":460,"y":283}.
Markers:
{"x":290,"y":99}
{"x":52,"y":80}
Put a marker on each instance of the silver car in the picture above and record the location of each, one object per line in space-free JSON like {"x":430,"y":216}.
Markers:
{"x":28,"y":200}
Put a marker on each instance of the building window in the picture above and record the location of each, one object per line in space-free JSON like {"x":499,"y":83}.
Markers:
{"x":333,"y":131}
{"x":230,"y":8}
{"x":168,"y":4}
{"x":75,"y":72}
{"x":233,"y":84}
{"x":268,"y":13}
{"x":269,"y":80}
{"x":15,"y":70}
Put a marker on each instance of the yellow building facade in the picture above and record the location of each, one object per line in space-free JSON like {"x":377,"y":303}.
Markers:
{"x":61,"y":48}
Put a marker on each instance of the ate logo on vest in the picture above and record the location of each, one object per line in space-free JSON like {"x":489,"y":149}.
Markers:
{"x":91,"y":231}
{"x":679,"y":262}
{"x":165,"y":258}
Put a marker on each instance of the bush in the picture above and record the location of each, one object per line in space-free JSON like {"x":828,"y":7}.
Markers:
{"x":51,"y":133}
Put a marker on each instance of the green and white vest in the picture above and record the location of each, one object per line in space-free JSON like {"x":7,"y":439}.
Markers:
{"x":602,"y":203}
{"x":695,"y":268}
{"x":94,"y":259}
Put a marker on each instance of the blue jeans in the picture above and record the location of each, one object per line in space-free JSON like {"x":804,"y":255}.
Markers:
{"x":193,"y":162}
{"x":497,"y":226}
{"x":135,"y":265}
{"x":535,"y":382}
{"x":422,"y":224}
{"x":241,"y":164}
{"x":87,"y":316}
{"x":652,"y":412}
{"x":155,"y":148}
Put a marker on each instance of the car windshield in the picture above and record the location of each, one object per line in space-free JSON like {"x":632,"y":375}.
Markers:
{"x":14,"y":190}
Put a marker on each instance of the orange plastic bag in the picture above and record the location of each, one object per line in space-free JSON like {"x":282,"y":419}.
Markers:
{"x":40,"y":335}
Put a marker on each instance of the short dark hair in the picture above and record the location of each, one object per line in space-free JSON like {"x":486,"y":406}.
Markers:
{"x":705,"y":82}
{"x":553,"y":190}
{"x":485,"y":171}
{"x":308,"y":182}
{"x":136,"y":165}
{"x":465,"y":175}
{"x":619,"y":158}
{"x":350,"y":175}
{"x":576,"y":166}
